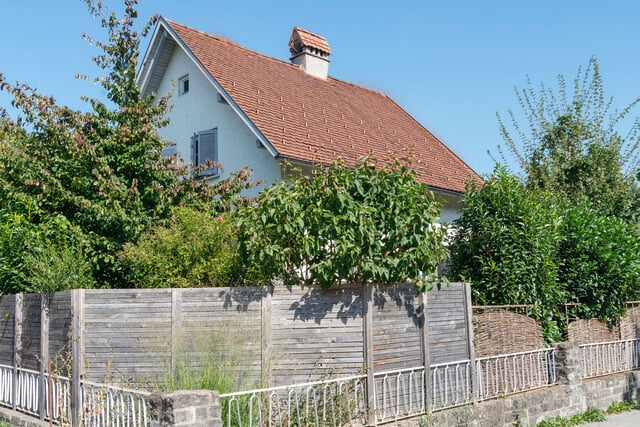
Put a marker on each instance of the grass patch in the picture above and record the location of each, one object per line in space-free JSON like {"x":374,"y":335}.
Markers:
{"x":589,"y":416}
{"x":624,"y":406}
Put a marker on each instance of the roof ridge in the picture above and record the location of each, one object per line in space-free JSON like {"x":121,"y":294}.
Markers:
{"x":377,"y":92}
{"x":232,"y":43}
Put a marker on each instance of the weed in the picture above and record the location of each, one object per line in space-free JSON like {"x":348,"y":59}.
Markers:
{"x":588,"y":416}
{"x":623,"y":406}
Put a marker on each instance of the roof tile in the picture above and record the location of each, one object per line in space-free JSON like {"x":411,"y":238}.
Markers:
{"x":316,"y":120}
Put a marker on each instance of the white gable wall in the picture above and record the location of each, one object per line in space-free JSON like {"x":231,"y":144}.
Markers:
{"x":200,"y":110}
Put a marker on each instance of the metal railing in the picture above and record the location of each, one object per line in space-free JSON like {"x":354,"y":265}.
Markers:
{"x":514,"y":373}
{"x":399,"y":393}
{"x":103,"y":405}
{"x":6,"y":385}
{"x":28,"y":391}
{"x":106,"y":405}
{"x":451,"y":384}
{"x":57,"y":397}
{"x":609,"y":357}
{"x":334,"y":402}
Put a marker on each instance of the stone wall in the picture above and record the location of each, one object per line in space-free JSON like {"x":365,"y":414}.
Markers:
{"x":186,"y":408}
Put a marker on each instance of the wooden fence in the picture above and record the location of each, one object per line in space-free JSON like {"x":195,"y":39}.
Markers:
{"x":272,"y":335}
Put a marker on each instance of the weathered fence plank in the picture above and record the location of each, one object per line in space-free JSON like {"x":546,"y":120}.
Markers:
{"x":274,"y":335}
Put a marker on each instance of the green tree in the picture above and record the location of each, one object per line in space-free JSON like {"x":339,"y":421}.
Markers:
{"x":100,"y":170}
{"x":506,"y":245}
{"x":373,"y":223}
{"x":572,"y":146}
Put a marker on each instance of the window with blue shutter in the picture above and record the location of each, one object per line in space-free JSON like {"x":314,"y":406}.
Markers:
{"x":204,"y":146}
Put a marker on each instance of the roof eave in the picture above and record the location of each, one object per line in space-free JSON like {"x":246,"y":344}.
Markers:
{"x":162,"y":23}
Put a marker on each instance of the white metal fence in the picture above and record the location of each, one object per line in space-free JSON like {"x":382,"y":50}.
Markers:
{"x":609,"y":357}
{"x":398,"y":394}
{"x":451,"y":384}
{"x":103,"y":405}
{"x":334,"y":402}
{"x":514,"y":373}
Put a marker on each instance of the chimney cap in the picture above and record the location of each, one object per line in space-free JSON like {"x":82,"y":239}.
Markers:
{"x":301,"y":38}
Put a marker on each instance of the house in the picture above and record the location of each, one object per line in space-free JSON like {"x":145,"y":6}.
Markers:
{"x":239,"y":107}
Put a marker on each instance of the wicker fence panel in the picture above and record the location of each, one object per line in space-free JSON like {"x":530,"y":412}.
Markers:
{"x":502,"y":331}
{"x":585,"y":331}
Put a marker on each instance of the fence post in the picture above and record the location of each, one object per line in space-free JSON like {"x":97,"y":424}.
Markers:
{"x":77,"y":355}
{"x":367,"y":323}
{"x":44,"y":353}
{"x":176,"y":320}
{"x":424,"y":347}
{"x":265,"y":317}
{"x":17,"y":346}
{"x":470,"y":345}
{"x":568,"y":364}
{"x":186,"y":408}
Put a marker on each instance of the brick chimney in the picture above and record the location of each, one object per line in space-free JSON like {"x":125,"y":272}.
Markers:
{"x":310,"y":52}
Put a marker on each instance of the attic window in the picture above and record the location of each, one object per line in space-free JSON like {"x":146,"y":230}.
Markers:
{"x":183,"y":84}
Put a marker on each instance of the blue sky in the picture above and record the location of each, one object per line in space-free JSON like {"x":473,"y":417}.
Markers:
{"x":451,"y":64}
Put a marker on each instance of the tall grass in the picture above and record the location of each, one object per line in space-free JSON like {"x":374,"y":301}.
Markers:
{"x":213,"y":362}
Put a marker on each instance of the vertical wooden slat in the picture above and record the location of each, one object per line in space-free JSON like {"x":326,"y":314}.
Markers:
{"x":424,"y":347}
{"x":176,"y":324}
{"x":17,"y":345}
{"x":45,"y":300}
{"x":472,"y":352}
{"x":367,"y":329}
{"x":77,"y":354}
{"x":266,"y":309}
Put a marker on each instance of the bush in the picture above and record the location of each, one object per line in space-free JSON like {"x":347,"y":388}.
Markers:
{"x":45,"y":257}
{"x":599,"y":267}
{"x":522,"y":246}
{"x":196,"y":249}
{"x":370,"y":223}
{"x":506,"y":246}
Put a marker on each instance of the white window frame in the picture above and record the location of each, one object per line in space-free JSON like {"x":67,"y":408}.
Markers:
{"x":183,"y":85}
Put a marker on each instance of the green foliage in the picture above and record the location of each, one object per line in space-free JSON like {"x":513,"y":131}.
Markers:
{"x":366,"y":224}
{"x":623,"y":406}
{"x":591,"y":415}
{"x":572,"y":146}
{"x":522,"y":246}
{"x":43,"y":257}
{"x":506,"y":246}
{"x":197,"y":248}
{"x":100,"y":170}
{"x":599,"y":263}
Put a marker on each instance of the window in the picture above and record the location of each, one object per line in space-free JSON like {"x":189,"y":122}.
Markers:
{"x":183,"y":85}
{"x":204,"y":147}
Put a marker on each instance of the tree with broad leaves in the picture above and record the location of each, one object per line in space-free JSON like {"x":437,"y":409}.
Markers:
{"x":100,"y":172}
{"x":366,"y":224}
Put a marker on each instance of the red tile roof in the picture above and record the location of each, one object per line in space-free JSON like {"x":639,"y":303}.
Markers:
{"x":307,"y":38}
{"x":316,"y":120}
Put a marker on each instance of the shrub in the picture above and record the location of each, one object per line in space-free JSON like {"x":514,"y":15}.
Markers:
{"x":196,"y":249}
{"x":506,"y":246}
{"x":369,"y":223}
{"x":599,"y":264}
{"x":45,"y":257}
